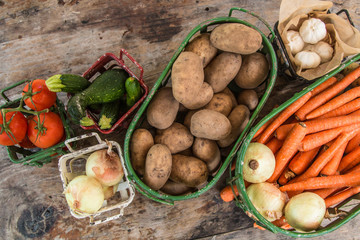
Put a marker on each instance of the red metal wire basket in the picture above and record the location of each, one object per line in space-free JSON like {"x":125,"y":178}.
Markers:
{"x":108,"y":61}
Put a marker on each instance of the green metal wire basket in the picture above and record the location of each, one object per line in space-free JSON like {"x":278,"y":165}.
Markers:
{"x":164,"y":78}
{"x":351,"y":207}
{"x":36,"y":156}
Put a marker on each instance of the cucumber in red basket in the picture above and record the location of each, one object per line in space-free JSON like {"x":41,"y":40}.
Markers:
{"x":70,"y":83}
{"x":107,"y":87}
{"x":133,"y":91}
{"x":109,"y":114}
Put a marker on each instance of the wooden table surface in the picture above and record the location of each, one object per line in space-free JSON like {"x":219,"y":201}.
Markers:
{"x":40,"y":38}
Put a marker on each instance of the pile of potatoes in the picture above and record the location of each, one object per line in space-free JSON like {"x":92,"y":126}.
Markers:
{"x":198,"y":116}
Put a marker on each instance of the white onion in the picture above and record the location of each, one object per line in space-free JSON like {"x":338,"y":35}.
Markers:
{"x":305,"y":211}
{"x":267,"y":199}
{"x":84,"y":194}
{"x":105,"y":166}
{"x":259,"y":163}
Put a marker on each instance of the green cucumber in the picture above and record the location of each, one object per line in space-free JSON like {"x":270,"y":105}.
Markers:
{"x":67,"y":83}
{"x":109,"y":114}
{"x":107,"y":87}
{"x":133,"y":91}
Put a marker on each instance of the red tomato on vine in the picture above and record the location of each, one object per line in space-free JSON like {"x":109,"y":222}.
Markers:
{"x":15,"y":130}
{"x":41,"y":97}
{"x":45,"y":131}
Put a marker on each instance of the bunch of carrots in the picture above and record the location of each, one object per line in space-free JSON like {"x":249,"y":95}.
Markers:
{"x":316,"y":143}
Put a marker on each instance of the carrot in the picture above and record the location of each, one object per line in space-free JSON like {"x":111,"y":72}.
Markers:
{"x":343,"y":110}
{"x":327,"y":94}
{"x":283,"y":116}
{"x":325,"y":192}
{"x":318,"y":125}
{"x":332,"y":166}
{"x":350,"y":160}
{"x":338,"y":198}
{"x":282,"y":131}
{"x":255,"y":225}
{"x":319,"y":138}
{"x":281,"y":222}
{"x":353,"y":143}
{"x":302,"y":160}
{"x":262,"y":128}
{"x":285,"y":176}
{"x":274,"y":144}
{"x":321,"y":161}
{"x":336,"y":181}
{"x":335,"y":103}
{"x":329,"y":82}
{"x":354,"y":169}
{"x":227,"y":194}
{"x":288,"y":150}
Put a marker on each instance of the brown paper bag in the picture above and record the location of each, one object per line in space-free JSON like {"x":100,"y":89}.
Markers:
{"x":342,"y":36}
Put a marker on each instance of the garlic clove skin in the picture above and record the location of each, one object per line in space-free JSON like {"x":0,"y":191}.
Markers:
{"x":296,"y":43}
{"x":307,"y":59}
{"x":313,"y":30}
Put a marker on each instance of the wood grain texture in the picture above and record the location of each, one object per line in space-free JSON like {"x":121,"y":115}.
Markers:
{"x":41,"y":38}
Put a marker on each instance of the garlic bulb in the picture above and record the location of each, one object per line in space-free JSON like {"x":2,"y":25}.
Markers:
{"x":307,"y":59}
{"x":296,"y":43}
{"x":312,"y":30}
{"x":324,"y":50}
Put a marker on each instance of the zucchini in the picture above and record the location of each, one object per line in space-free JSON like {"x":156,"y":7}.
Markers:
{"x":107,"y":87}
{"x":67,"y":83}
{"x":133,"y":91}
{"x":109,"y":114}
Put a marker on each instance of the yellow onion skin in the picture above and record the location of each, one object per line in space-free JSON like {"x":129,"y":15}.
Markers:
{"x":268,"y":200}
{"x":305,"y":211}
{"x":259,"y":163}
{"x":84,"y":194}
{"x":105,"y":166}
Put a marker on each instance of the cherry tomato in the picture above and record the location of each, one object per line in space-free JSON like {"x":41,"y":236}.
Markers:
{"x":51,"y":130}
{"x":43,"y":99}
{"x":17,"y":128}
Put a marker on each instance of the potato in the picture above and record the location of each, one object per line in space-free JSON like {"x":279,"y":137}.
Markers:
{"x":202,"y":46}
{"x":140,"y":143}
{"x":162,"y":109}
{"x":177,"y":138}
{"x":222,"y":70}
{"x":221,"y":103}
{"x":158,"y":166}
{"x":236,"y":38}
{"x":210,"y":124}
{"x":187,"y":77}
{"x":231,"y":95}
{"x":175,"y":189}
{"x":253,"y":71}
{"x":249,"y":98}
{"x":203,"y":97}
{"x":187,"y":119}
{"x":238,"y":117}
{"x":190,"y":171}
{"x":208,"y":151}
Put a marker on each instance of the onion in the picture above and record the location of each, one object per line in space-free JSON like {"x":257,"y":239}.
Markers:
{"x":259,"y":163}
{"x":109,"y":191}
{"x":305,"y":211}
{"x":84,"y":194}
{"x":105,"y":166}
{"x":267,"y":199}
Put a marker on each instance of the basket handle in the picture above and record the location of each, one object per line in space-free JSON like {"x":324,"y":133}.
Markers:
{"x":10,"y":87}
{"x":272,"y":37}
{"x":124,"y":52}
{"x":74,"y":139}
